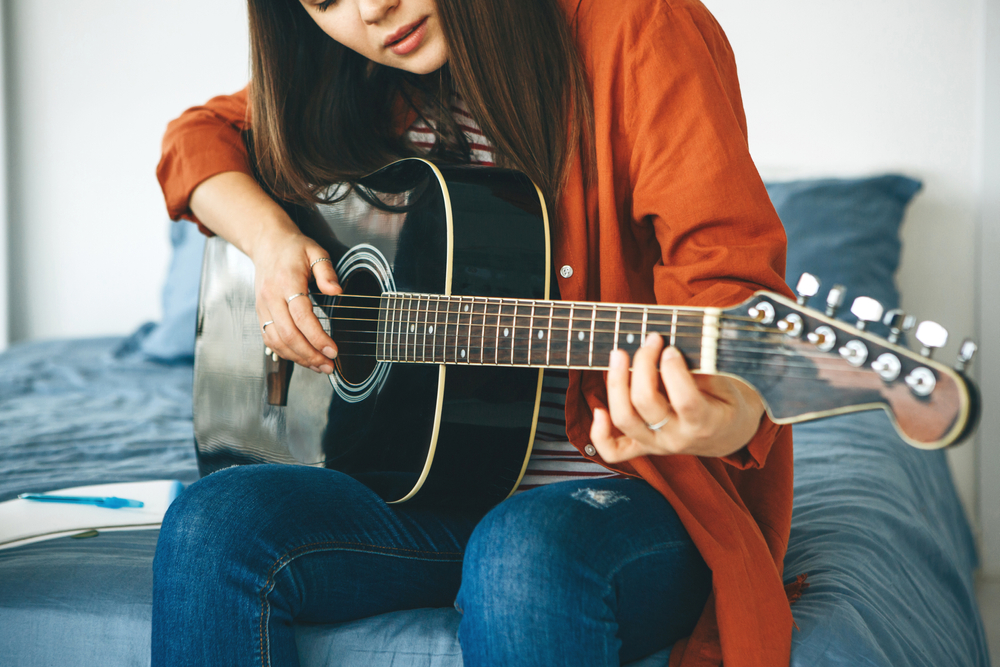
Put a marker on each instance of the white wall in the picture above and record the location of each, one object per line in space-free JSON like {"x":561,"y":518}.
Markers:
{"x":864,"y":86}
{"x":92,"y":87}
{"x":4,"y":227}
{"x":989,"y":298}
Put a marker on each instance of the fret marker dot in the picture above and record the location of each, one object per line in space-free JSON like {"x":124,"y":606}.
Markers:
{"x":466,"y":310}
{"x":506,"y":332}
{"x":580,"y":335}
{"x":541,"y":335}
{"x":463,"y":354}
{"x":413,"y":327}
{"x":630,"y":338}
{"x":430,"y":330}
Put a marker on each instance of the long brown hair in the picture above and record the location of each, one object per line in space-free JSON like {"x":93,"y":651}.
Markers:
{"x":323,"y":114}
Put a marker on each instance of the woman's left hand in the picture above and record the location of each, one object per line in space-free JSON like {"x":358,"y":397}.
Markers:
{"x":703,"y":415}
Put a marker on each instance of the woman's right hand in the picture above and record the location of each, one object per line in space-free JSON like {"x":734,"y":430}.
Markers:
{"x":285,"y":262}
{"x":234,"y":206}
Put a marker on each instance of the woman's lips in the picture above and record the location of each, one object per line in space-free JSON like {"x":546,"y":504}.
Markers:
{"x":407,"y":38}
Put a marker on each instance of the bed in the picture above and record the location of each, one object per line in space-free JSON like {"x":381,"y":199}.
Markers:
{"x":877,"y":524}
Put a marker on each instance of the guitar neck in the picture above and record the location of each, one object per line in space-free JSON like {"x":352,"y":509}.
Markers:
{"x":431,"y":328}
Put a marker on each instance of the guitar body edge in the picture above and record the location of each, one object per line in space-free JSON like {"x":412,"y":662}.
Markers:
{"x":423,"y":433}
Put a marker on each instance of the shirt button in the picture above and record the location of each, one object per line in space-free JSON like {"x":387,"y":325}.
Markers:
{"x":590,"y":449}
{"x":566,"y":271}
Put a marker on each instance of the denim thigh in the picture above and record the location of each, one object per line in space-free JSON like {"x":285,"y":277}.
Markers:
{"x":579,"y":573}
{"x":248,"y":549}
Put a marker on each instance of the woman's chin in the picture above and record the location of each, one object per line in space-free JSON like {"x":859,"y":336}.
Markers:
{"x":424,"y":62}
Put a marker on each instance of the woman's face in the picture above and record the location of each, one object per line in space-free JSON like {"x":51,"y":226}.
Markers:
{"x":405,"y":34}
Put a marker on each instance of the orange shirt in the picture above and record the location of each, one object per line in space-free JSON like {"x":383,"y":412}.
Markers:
{"x":677,"y":215}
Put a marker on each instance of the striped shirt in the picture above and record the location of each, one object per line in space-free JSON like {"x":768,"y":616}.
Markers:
{"x":553,"y":457}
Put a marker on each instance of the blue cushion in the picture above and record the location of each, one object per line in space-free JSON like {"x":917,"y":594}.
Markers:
{"x":845,"y":231}
{"x":172,"y":339}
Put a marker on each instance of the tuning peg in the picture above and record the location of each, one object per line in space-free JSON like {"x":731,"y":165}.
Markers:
{"x":835,"y":299}
{"x":807,"y":286}
{"x":866,"y":309}
{"x":894,"y":320}
{"x":932,"y":336}
{"x":965,"y":354}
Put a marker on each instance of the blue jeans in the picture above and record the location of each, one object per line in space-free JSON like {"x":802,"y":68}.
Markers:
{"x":588,"y":573}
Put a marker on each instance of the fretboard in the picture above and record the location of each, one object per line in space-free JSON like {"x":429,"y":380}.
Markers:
{"x":431,"y":328}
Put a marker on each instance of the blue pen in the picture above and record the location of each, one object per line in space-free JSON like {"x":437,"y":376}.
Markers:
{"x":110,"y":502}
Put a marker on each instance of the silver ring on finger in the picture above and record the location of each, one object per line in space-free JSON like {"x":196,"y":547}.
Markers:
{"x":295,"y":296}
{"x":264,"y":326}
{"x":658,"y":425}
{"x":321,"y":259}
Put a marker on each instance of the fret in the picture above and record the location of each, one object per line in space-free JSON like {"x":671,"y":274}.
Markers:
{"x":605,"y":335}
{"x":458,"y":321}
{"x":380,"y":329}
{"x":593,"y":321}
{"x":466,"y":353}
{"x":457,"y":303}
{"x":395,"y":328}
{"x":443,"y":328}
{"x":645,"y":318}
{"x":411,"y":317}
{"x":531,"y":331}
{"x":482,"y":337}
{"x":513,"y":331}
{"x":423,"y":341}
{"x":631,"y":328}
{"x":496,"y":352}
{"x":618,"y":320}
{"x":435,"y":329}
{"x":548,"y":337}
{"x":506,"y":321}
{"x":673,"y":329}
{"x":569,"y":333}
{"x":407,"y":328}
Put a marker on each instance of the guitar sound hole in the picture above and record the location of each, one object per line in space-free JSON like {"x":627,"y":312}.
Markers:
{"x":354,"y":326}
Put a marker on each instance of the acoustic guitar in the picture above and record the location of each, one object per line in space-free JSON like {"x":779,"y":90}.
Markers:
{"x":445,"y":326}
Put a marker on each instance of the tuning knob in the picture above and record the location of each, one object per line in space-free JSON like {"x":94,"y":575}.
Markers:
{"x":835,"y":299}
{"x":932,"y":336}
{"x":807,"y":286}
{"x":894,"y":320}
{"x":966,"y":353}
{"x":866,"y":309}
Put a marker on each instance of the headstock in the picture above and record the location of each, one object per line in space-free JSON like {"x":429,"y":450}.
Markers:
{"x":806,"y":365}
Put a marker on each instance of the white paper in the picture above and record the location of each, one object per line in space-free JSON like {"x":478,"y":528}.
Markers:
{"x":26,"y":521}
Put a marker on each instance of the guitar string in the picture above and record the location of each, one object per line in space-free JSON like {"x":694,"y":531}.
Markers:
{"x":729,"y":353}
{"x":652,"y":309}
{"x":491,"y":317}
{"x":826,"y":370}
{"x":764,"y":342}
{"x":689,"y":321}
{"x":660,"y":311}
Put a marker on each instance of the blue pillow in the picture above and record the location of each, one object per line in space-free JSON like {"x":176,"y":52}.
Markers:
{"x":172,"y":339}
{"x":845,"y":231}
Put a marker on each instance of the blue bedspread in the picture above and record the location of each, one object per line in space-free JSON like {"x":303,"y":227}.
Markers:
{"x":877,"y":525}
{"x":91,"y":411}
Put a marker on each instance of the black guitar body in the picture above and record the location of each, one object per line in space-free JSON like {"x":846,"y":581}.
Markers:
{"x":411,"y":227}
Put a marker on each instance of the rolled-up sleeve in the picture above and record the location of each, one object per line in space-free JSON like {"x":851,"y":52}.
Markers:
{"x":204,"y":141}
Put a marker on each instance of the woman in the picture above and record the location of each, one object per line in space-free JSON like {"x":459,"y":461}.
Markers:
{"x":628,"y":116}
